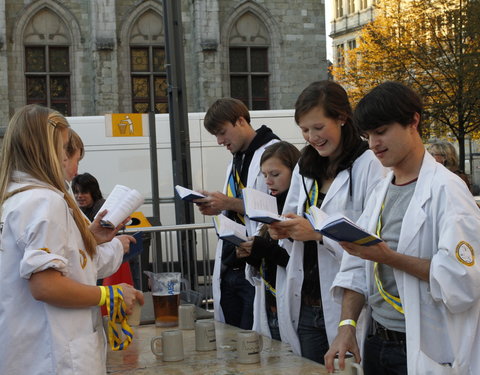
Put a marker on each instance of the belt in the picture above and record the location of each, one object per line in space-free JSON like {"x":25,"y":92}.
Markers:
{"x":387,"y":334}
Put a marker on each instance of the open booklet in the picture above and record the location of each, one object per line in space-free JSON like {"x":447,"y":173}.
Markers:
{"x":121,"y":203}
{"x":260,"y":206}
{"x":229,"y":230}
{"x":188,"y":194}
{"x":340,"y":228}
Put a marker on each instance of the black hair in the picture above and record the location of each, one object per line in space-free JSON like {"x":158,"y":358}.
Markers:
{"x":333,"y":99}
{"x":388,"y":103}
{"x":225,"y":110}
{"x":86,"y":183}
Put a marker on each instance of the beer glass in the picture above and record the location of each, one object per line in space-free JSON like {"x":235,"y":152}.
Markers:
{"x":166,"y":297}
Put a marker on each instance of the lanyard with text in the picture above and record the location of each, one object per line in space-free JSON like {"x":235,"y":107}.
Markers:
{"x":393,"y":301}
{"x":234,"y":188}
{"x":117,"y":313}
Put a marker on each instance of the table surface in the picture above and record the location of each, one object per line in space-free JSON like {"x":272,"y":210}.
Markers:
{"x":276,"y":357}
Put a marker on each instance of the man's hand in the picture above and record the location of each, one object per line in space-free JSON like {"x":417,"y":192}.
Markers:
{"x":103,"y":234}
{"x":343,"y":343}
{"x":215,"y":202}
{"x":296,"y":228}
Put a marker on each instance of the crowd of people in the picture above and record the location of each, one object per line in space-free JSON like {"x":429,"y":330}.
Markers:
{"x":409,"y":304}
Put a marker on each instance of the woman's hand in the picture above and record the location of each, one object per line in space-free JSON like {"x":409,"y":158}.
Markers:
{"x":130,"y":295}
{"x":126,"y":240}
{"x":245,"y":249}
{"x":103,"y":234}
{"x":297,"y":228}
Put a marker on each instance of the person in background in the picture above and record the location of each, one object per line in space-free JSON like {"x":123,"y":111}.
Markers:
{"x":445,"y":153}
{"x":87,"y":194}
{"x":336,"y":172}
{"x":228,"y":120}
{"x":50,"y":257}
{"x":263,"y":254}
{"x":422,"y":282}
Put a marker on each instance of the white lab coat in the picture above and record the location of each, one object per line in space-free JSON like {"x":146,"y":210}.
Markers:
{"x":366,"y":173}
{"x":442,"y":316}
{"x":38,"y":233}
{"x":256,"y":181}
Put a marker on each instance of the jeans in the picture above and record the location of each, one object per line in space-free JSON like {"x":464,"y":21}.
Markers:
{"x":236,"y":299}
{"x":381,"y":357}
{"x":311,"y":333}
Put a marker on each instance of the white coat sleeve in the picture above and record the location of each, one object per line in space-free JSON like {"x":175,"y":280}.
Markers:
{"x":454,"y":269}
{"x":43,"y":234}
{"x":109,"y":258}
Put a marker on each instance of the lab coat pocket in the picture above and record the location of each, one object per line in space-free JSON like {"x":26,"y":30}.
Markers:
{"x":427,"y":366}
{"x":87,"y":355}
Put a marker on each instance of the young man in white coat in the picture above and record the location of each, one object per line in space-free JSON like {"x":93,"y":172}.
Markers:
{"x":229,"y":121}
{"x":422,"y":283}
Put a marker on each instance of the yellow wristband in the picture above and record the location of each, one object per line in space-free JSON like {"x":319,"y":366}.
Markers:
{"x":103,"y":295}
{"x":348,"y":322}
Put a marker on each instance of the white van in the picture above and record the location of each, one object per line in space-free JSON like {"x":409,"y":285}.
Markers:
{"x":126,"y":160}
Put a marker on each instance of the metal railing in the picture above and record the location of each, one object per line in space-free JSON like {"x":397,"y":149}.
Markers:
{"x":179,"y":248}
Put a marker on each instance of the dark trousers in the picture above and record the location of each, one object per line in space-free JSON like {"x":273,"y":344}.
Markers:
{"x":382,"y":357}
{"x":236,"y":299}
{"x":311,"y":333}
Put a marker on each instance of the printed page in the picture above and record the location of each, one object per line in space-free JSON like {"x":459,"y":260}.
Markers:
{"x":260,"y":205}
{"x":229,"y":228}
{"x":120,"y":204}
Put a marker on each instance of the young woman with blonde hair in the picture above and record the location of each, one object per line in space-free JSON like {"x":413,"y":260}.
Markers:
{"x":50,"y":257}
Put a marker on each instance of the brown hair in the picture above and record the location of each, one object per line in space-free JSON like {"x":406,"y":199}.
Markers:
{"x":225,"y":110}
{"x":284,"y":151}
{"x":74,"y":144}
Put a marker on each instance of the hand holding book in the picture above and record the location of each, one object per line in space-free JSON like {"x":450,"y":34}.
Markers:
{"x":121,"y":203}
{"x":340,"y":228}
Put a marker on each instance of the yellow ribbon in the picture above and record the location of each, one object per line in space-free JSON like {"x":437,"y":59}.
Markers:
{"x":234,"y":189}
{"x":312,"y":197}
{"x":117,"y":314}
{"x":392,"y":300}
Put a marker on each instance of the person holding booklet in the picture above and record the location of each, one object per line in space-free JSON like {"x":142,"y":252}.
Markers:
{"x":262,"y":253}
{"x":336,"y":172}
{"x":229,"y":121}
{"x":422,"y":283}
{"x":49,"y":258}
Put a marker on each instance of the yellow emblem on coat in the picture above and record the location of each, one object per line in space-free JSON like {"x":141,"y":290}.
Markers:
{"x":46,"y":249}
{"x":83,"y":258}
{"x":465,"y":253}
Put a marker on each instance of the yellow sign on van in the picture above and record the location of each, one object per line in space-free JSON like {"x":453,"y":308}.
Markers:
{"x":126,"y":125}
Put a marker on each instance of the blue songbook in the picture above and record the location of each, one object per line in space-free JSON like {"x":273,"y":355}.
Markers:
{"x":340,"y":228}
{"x":135,"y":248}
{"x":188,"y":194}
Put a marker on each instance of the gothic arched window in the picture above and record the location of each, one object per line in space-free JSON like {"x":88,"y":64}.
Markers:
{"x":147,"y":64}
{"x":249,"y":42}
{"x":47,"y":62}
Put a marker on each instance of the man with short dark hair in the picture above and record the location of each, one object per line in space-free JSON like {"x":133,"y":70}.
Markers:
{"x":422,"y":283}
{"x":229,"y":121}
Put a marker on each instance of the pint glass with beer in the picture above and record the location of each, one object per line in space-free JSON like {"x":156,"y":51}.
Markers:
{"x":166,"y":297}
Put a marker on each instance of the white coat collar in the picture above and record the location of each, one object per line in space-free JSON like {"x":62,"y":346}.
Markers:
{"x":415,"y":215}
